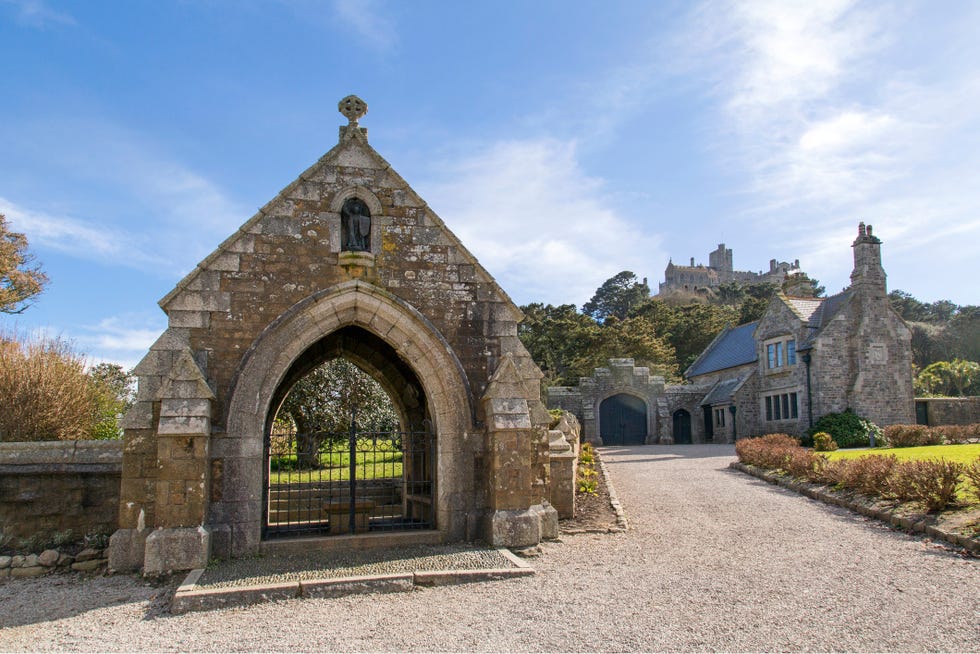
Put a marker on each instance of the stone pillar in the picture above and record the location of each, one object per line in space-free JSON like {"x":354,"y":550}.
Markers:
{"x":517,"y":518}
{"x":179,"y":540}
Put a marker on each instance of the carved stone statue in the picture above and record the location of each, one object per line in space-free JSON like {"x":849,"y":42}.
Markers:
{"x":355,"y":218}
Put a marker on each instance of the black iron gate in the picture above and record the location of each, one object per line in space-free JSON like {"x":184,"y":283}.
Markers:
{"x":354,"y":482}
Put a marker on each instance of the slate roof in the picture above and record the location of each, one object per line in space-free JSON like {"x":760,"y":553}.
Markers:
{"x":733,"y":347}
{"x":816,"y":313}
{"x":722,"y":391}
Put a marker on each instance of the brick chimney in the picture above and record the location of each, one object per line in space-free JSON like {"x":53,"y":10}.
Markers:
{"x":868,"y":273}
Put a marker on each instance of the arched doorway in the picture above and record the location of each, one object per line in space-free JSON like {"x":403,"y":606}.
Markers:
{"x":282,"y":354}
{"x":682,"y":427}
{"x":623,"y":420}
{"x":349,"y":445}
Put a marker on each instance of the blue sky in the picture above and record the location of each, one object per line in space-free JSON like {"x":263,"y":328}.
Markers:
{"x":561,"y":141}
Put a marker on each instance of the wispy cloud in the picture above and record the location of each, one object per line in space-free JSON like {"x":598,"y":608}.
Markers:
{"x":78,"y":238}
{"x":537,"y":222}
{"x":369,"y":21}
{"x":122,"y":339}
{"x":114,"y":179}
{"x":831,"y":121}
{"x":37,"y":14}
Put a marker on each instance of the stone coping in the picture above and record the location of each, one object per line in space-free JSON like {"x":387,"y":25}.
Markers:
{"x":828,"y":496}
{"x":64,"y":456}
{"x":335,"y":574}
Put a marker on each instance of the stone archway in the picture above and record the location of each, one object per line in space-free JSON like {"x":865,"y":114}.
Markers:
{"x":271,"y":360}
{"x":623,"y":420}
{"x":406,"y":301}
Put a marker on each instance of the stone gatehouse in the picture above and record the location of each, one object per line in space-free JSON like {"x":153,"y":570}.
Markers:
{"x":346,"y":261}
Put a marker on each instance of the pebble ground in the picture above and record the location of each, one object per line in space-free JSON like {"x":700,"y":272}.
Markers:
{"x":714,"y":561}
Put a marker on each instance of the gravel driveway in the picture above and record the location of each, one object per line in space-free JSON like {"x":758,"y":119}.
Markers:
{"x":714,"y":560}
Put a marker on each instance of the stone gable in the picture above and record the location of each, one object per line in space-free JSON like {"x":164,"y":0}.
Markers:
{"x":392,"y":289}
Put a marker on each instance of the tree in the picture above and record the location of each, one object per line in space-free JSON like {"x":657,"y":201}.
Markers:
{"x":113,"y":398}
{"x":20,"y":278}
{"x":616,"y":297}
{"x":634,"y":338}
{"x":322,"y":403}
{"x":554,"y":337}
{"x":45,"y":393}
{"x":909,"y":308}
{"x":949,"y":378}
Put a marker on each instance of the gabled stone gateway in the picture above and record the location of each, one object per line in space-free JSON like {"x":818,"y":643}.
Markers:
{"x":348,"y":255}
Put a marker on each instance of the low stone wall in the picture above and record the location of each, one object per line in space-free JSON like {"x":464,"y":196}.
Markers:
{"x":949,"y":410}
{"x":564,"y":445}
{"x":51,"y":487}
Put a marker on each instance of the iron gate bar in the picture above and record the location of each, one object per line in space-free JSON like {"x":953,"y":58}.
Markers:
{"x":386,"y":482}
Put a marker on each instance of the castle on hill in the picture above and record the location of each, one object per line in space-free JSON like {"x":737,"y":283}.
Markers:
{"x":720,"y":270}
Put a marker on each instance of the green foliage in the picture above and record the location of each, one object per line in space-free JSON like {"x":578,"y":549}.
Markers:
{"x":823,"y":442}
{"x":848,"y":429}
{"x":115,"y":396}
{"x":20,"y":278}
{"x":616,"y":297}
{"x":956,"y":378}
{"x":941,"y":330}
{"x":555,"y":337}
{"x":322,"y":404}
{"x":588,"y":478}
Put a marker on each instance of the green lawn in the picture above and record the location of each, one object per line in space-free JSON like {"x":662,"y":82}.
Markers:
{"x":964,"y":453}
{"x":385,"y":462}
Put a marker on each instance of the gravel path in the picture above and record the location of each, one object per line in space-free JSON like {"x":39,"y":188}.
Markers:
{"x":714,"y":560}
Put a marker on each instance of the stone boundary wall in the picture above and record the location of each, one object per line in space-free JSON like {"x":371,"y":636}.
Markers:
{"x":951,"y":410}
{"x":50,"y":487}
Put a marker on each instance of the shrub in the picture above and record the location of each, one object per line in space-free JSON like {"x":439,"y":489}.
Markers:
{"x":956,"y":434}
{"x":44,"y":391}
{"x":869,"y":474}
{"x":933,"y":482}
{"x":848,"y":429}
{"x":803,"y":463}
{"x":833,"y":472}
{"x":905,"y":435}
{"x":972,"y":474}
{"x":769,"y":451}
{"x":823,"y":442}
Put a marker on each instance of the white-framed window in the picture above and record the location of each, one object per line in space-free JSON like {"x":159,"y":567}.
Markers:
{"x":782,"y":406}
{"x":780,"y":353}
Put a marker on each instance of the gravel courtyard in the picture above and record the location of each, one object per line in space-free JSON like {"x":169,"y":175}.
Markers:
{"x":714,"y":560}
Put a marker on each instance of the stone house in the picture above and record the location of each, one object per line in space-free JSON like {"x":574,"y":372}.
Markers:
{"x":346,"y":261}
{"x":804,"y":358}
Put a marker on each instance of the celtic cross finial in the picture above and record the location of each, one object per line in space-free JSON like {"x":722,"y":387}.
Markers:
{"x":353,"y":108}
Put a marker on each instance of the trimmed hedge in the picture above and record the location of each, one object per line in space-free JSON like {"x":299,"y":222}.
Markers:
{"x":933,"y":483}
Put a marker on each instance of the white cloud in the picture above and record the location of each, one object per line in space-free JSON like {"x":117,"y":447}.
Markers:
{"x":848,"y":130}
{"x":122,"y":339}
{"x":36,"y":13}
{"x":537,"y":222}
{"x":116,"y":181}
{"x":79,"y":238}
{"x":368,"y":19}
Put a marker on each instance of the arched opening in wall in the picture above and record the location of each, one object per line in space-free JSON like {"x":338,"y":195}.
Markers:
{"x":682,"y":427}
{"x":349,"y":443}
{"x":623,"y":420}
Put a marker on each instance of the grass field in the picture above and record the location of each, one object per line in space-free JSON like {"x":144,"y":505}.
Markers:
{"x":964,"y":453}
{"x":382,"y":463}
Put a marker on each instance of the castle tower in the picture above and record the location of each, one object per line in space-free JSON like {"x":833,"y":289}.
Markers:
{"x":868,"y":273}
